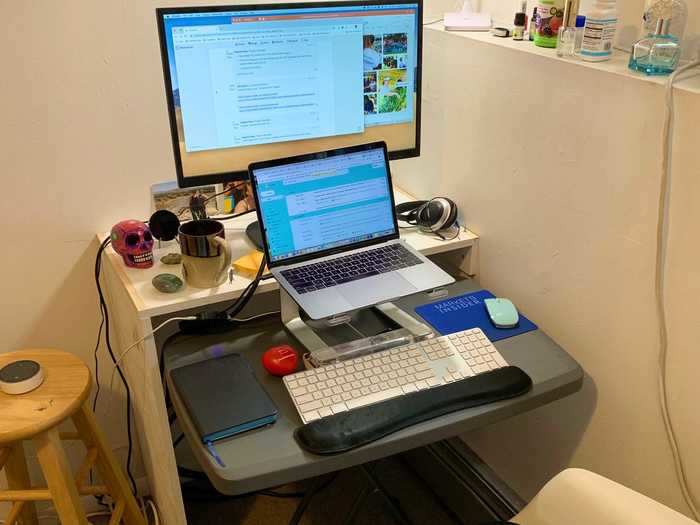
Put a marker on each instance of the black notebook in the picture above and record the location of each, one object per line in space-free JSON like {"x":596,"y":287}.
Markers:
{"x":223,"y":397}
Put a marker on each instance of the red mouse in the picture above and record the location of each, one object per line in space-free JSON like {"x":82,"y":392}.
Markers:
{"x":280,"y":360}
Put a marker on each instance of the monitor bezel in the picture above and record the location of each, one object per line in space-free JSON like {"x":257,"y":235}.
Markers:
{"x":314,"y":156}
{"x":223,"y":177}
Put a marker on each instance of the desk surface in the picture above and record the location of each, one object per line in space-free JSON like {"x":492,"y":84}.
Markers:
{"x":271,"y":457}
{"x":149,"y":302}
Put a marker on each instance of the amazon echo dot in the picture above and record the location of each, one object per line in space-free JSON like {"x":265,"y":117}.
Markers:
{"x":21,"y":377}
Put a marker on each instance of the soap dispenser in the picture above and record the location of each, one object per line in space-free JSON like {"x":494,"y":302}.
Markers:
{"x":656,"y":54}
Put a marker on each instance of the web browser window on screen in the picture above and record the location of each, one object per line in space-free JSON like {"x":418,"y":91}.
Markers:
{"x":242,"y":80}
{"x":315,"y":205}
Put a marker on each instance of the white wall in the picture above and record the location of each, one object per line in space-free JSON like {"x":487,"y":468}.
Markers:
{"x":556,"y":167}
{"x":85,"y":134}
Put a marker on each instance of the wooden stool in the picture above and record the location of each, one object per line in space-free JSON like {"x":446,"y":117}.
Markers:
{"x":36,"y":416}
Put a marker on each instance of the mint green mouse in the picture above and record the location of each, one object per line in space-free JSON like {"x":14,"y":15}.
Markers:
{"x":502,"y":312}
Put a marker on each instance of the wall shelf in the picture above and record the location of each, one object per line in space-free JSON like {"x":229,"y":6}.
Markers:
{"x":616,"y":66}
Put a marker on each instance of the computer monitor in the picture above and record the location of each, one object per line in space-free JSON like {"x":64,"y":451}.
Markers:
{"x":250,"y":83}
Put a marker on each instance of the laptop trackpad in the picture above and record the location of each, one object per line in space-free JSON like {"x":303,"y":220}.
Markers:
{"x":376,"y":289}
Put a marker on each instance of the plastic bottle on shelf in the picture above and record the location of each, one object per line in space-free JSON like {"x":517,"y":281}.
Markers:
{"x":599,"y":33}
{"x":550,"y":14}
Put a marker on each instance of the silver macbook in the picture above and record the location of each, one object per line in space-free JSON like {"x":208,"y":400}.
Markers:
{"x":330,"y":233}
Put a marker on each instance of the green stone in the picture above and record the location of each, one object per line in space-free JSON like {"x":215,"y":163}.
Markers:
{"x":171,"y":258}
{"x":167,"y":283}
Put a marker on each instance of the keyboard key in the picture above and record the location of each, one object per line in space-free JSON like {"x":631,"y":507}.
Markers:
{"x":325,"y":412}
{"x":499,"y":359}
{"x":312,"y":405}
{"x":310,"y":416}
{"x":408,"y":388}
{"x":374,"y":398}
{"x":478,"y":369}
{"x":339,"y":407}
{"x":304,"y":399}
{"x":425,"y":374}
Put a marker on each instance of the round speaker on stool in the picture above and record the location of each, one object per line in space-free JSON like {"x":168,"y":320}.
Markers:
{"x":21,"y":377}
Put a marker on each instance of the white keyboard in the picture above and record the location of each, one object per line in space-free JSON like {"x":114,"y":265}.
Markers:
{"x":321,"y":392}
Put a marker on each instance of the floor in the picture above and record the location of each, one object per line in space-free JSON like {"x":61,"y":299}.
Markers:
{"x":330,"y":505}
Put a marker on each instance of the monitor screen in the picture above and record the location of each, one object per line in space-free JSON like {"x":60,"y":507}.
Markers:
{"x":324,"y":202}
{"x":251,"y":83}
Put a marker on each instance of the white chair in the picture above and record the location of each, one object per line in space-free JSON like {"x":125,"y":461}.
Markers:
{"x":580,"y":497}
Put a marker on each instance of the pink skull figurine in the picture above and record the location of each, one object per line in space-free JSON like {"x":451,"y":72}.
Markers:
{"x":133,"y":241}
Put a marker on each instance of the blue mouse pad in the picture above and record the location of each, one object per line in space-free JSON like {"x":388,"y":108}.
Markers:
{"x":469,"y":311}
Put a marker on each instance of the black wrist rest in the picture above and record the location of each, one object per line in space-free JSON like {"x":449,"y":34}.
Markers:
{"x":360,"y":426}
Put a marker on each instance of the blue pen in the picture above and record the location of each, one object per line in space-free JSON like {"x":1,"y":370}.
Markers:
{"x":212,"y":451}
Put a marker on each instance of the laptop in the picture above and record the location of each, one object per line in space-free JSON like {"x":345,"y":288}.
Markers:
{"x":330,"y":233}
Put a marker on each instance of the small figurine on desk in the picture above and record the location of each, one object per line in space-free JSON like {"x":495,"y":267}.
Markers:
{"x":198,"y":206}
{"x":134,"y":242}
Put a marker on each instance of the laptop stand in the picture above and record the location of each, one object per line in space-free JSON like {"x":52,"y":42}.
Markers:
{"x":399,"y":328}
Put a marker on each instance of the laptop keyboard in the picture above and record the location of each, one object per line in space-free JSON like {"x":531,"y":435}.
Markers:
{"x":317,"y":276}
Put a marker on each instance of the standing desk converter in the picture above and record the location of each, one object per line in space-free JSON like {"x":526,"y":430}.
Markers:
{"x":270,"y":456}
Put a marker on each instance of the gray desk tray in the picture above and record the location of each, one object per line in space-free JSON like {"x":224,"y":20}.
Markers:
{"x":269,"y":457}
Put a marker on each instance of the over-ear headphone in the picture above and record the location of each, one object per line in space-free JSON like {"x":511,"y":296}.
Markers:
{"x":434,"y":216}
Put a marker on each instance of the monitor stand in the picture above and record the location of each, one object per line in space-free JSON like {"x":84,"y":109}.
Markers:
{"x":255,"y":235}
{"x":326,"y":343}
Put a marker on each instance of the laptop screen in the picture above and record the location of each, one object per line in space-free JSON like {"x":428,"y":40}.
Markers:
{"x":324,"y":202}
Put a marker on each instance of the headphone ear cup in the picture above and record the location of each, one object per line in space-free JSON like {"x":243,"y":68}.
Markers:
{"x":408,"y":211}
{"x":435,"y":213}
{"x":452,"y":218}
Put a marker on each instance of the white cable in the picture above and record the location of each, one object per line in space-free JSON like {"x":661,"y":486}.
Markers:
{"x":253,"y":317}
{"x":154,"y":511}
{"x":661,"y":241}
{"x":128,"y":349}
